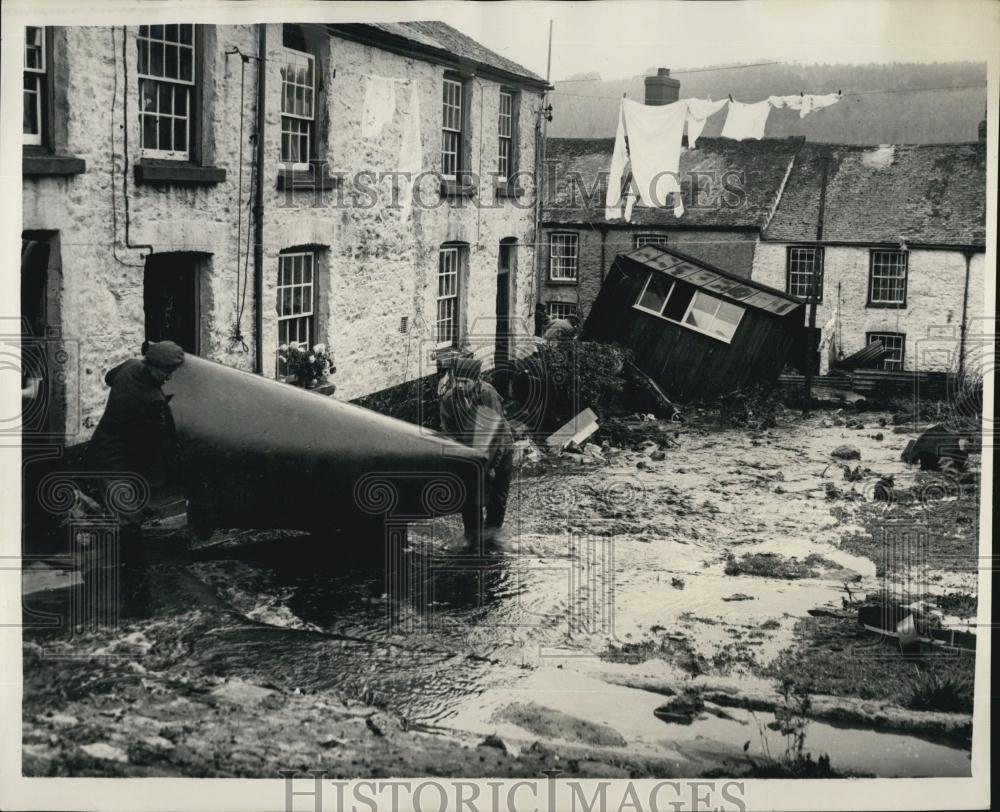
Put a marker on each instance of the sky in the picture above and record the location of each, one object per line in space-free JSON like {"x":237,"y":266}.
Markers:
{"x":625,"y":38}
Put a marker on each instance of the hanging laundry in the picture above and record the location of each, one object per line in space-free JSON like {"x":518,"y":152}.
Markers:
{"x":805,"y":103}
{"x":613,"y":196}
{"x":379,"y":107}
{"x":812,"y":103}
{"x":781,"y":102}
{"x":654,"y":151}
{"x":745,"y":121}
{"x":698,"y":112}
{"x":410,"y":153}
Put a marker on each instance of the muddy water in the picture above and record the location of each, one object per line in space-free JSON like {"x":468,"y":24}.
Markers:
{"x":597,"y":561}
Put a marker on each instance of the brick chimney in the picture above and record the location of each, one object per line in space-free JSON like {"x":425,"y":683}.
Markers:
{"x":661,"y":89}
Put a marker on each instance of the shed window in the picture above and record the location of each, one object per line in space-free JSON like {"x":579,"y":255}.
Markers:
{"x":887,"y":279}
{"x":802,"y":264}
{"x":682,"y":304}
{"x":650,"y":239}
{"x":891,"y":341}
{"x":166,"y":89}
{"x":34,"y":84}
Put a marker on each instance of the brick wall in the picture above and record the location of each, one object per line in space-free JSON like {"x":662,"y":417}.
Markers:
{"x":931,"y":319}
{"x":731,"y":251}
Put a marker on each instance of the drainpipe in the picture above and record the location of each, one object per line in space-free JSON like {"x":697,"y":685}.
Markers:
{"x":258,"y":206}
{"x":962,"y":328}
{"x":812,"y":286}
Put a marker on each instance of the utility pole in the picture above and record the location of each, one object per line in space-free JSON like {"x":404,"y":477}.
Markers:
{"x":813,"y":290}
{"x":541,"y":133}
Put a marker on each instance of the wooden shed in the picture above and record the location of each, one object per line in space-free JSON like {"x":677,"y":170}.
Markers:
{"x":697,"y":330}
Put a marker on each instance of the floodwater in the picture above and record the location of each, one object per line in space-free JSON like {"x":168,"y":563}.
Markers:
{"x":597,"y":559}
{"x":605,"y":571}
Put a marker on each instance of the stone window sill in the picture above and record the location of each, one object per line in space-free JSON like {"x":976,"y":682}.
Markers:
{"x":456,"y":188}
{"x":37,"y":163}
{"x":564,"y":282}
{"x":151,"y":170}
{"x":886,"y":306}
{"x":306,"y":180}
{"x":507,"y":188}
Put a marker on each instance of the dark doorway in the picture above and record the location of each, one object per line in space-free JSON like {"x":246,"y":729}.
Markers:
{"x":171,"y":299}
{"x":505,"y":273}
{"x":806,"y":354}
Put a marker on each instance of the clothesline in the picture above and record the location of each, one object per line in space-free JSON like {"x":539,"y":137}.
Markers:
{"x":845,"y":93}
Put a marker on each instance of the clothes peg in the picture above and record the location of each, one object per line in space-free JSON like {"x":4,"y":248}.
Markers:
{"x":730,"y":97}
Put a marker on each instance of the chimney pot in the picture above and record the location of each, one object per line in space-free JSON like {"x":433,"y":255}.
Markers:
{"x":662,"y":89}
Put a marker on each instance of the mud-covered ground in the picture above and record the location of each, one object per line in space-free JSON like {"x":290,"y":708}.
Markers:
{"x":683,"y":603}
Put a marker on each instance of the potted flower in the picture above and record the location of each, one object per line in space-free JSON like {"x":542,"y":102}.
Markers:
{"x":305,"y":366}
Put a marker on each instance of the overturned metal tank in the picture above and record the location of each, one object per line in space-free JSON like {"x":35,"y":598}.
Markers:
{"x":255,"y":453}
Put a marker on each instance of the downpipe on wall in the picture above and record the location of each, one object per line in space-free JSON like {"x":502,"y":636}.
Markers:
{"x":258,"y":205}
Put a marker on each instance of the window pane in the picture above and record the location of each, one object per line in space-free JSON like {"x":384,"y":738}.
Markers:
{"x":655,"y":295}
{"x":172,"y":33}
{"x":156,"y":32}
{"x":171,"y":68}
{"x":702,"y":311}
{"x":180,"y":134}
{"x":186,"y":34}
{"x":180,"y":101}
{"x":186,"y":72}
{"x":147,"y":95}
{"x":156,"y":58}
{"x":727,"y":320}
{"x":30,"y":108}
{"x":678,"y":303}
{"x":166,"y":94}
{"x":149,"y":132}
{"x":165,"y":139}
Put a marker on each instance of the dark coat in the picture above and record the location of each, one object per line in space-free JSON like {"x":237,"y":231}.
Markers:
{"x":472,"y":413}
{"x":136,"y":431}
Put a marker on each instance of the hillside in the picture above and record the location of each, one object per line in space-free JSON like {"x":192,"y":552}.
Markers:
{"x":930,"y":103}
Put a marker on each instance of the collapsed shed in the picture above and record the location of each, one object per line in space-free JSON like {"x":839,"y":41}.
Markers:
{"x":699,"y":331}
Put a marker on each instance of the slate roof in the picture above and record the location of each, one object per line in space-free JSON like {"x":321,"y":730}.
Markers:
{"x":757,"y":167}
{"x":928,"y":193}
{"x":443,"y":41}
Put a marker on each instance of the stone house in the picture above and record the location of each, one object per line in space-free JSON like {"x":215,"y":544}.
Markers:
{"x":175,"y":185}
{"x":730,"y":189}
{"x":895,"y":237}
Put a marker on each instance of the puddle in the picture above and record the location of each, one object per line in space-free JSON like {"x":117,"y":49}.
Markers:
{"x":595,"y":558}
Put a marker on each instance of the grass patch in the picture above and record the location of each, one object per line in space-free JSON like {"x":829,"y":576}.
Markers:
{"x":772,"y":565}
{"x":936,"y":691}
{"x":838,"y":657}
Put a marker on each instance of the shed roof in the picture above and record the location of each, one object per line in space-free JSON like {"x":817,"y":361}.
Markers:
{"x":737,"y":183}
{"x":926,"y":193}
{"x":439,"y":40}
{"x":715,"y":280}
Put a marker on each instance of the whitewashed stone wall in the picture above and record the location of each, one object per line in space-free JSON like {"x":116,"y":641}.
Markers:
{"x":380,"y":268}
{"x":101,"y":296}
{"x":931,"y":319}
{"x":377,"y":268}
